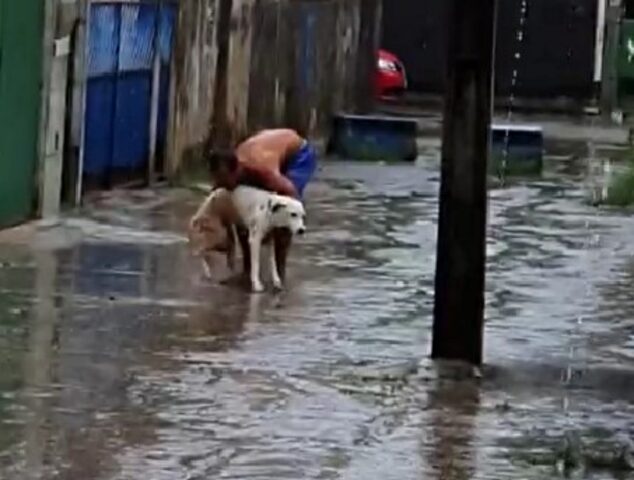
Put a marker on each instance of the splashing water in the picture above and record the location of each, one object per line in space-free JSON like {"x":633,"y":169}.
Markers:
{"x":514,"y":78}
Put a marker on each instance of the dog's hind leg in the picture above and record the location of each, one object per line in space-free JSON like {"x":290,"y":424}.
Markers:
{"x":242,"y":236}
{"x":231,"y":247}
{"x":243,"y":239}
{"x":206,"y":266}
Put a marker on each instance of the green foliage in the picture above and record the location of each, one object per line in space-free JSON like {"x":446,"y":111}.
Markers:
{"x":621,"y":187}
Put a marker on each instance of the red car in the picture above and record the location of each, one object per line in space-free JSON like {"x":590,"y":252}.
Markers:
{"x":391,"y":78}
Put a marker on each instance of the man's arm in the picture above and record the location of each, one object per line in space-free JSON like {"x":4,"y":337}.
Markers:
{"x":275,"y":182}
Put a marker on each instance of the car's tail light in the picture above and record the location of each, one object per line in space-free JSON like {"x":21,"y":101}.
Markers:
{"x":387,"y":65}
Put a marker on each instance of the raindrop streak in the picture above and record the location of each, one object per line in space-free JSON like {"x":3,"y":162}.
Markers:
{"x":517,"y":56}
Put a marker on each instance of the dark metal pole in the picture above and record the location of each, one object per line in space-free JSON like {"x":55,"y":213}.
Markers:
{"x":461,"y":252}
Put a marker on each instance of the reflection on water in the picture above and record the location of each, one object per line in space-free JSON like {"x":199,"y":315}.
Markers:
{"x":119,"y":363}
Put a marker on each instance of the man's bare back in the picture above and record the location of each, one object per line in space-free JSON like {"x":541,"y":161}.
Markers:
{"x":263,"y":156}
{"x":270,"y":148}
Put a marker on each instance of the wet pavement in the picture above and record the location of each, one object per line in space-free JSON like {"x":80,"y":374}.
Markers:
{"x":118,"y":362}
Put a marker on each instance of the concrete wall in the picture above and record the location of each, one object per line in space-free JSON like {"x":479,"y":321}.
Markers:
{"x":243,"y":65}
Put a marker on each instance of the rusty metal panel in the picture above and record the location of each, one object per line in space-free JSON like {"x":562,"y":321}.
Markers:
{"x":197,"y":69}
{"x":265,"y":68}
{"x":276,"y":63}
{"x":238,"y":66}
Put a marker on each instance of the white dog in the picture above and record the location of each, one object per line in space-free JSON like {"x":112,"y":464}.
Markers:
{"x":260,"y":212}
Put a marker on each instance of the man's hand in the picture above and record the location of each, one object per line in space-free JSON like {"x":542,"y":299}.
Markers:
{"x":276,"y":182}
{"x":283,"y":186}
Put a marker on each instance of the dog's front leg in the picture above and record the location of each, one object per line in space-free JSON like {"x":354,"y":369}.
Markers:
{"x":275,"y":275}
{"x":255,"y":245}
{"x":282,"y":244}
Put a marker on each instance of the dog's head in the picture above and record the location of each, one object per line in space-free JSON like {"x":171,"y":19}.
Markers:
{"x":288,"y":213}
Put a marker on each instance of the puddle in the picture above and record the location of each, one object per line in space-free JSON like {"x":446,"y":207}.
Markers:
{"x":118,"y":363}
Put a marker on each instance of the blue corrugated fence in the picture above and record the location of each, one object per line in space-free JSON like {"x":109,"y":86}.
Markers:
{"x":123,"y":39}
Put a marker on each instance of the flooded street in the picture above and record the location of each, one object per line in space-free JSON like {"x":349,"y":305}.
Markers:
{"x":118,"y":362}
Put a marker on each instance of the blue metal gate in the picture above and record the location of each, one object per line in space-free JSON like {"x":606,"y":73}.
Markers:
{"x":123,"y":39}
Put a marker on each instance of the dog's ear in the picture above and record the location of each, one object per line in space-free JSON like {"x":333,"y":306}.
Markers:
{"x":276,"y":207}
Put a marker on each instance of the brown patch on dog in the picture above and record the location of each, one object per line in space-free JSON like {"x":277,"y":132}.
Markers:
{"x":211,"y":228}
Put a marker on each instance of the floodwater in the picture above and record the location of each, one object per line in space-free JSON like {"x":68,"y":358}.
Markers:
{"x":118,"y":362}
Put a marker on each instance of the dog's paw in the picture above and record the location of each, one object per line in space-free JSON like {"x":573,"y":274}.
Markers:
{"x":278,"y":286}
{"x":207,"y":270}
{"x":231,"y":262}
{"x":202,"y":281}
{"x":204,"y":278}
{"x":257,"y":287}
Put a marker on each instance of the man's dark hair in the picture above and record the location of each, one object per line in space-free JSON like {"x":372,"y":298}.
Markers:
{"x":218,"y":159}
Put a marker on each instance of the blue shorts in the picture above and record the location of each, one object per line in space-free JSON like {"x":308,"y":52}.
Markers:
{"x":301,"y":167}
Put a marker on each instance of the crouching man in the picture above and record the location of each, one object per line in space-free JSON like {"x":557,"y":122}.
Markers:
{"x":277,"y":160}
